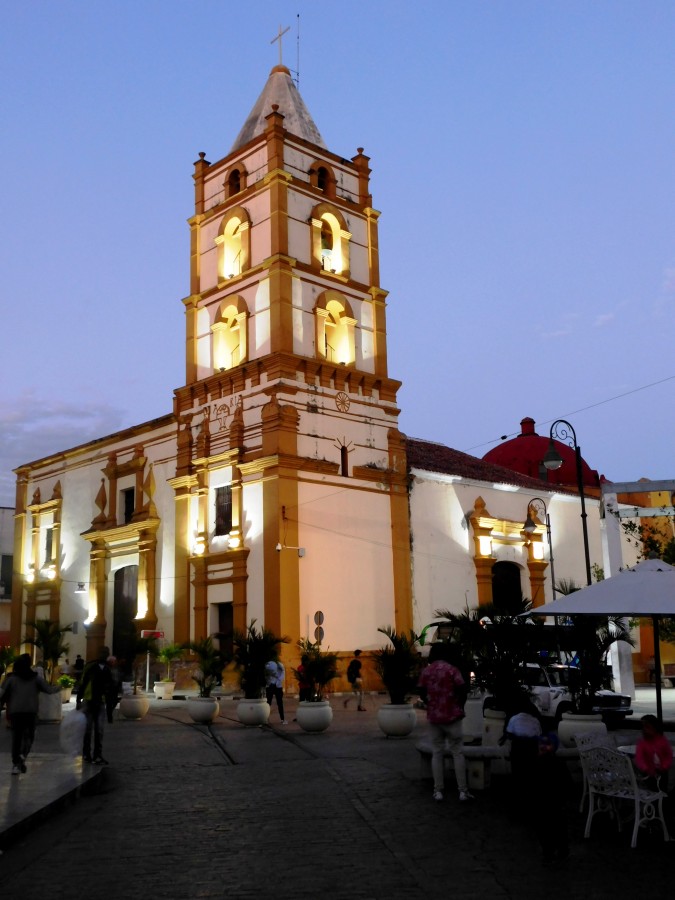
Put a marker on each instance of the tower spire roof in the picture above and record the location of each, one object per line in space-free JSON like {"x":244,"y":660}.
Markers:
{"x":280,"y":90}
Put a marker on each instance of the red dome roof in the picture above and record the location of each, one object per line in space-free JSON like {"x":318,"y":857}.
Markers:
{"x":525,"y":453}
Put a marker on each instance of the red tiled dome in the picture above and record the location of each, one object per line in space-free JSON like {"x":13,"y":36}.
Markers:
{"x":525,"y":453}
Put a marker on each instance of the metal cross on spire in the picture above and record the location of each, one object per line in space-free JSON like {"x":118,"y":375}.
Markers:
{"x":278,"y":38}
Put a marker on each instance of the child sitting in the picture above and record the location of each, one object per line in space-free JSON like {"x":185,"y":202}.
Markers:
{"x":653,"y":753}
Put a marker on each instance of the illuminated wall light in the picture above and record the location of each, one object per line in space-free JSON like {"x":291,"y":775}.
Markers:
{"x":51,"y":573}
{"x":234,"y":541}
{"x":485,"y":545}
{"x":199,"y":547}
{"x":538,"y":550}
{"x":30,"y":576}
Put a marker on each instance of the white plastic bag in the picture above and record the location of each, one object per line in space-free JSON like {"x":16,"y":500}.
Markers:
{"x":71,"y":734}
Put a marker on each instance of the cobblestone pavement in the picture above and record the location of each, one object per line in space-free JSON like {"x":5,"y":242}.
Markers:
{"x":184,"y":811}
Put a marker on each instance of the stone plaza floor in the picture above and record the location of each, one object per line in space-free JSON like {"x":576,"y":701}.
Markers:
{"x":189,"y":811}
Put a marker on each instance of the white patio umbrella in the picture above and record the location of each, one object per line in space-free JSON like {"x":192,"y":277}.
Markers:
{"x":645,"y":589}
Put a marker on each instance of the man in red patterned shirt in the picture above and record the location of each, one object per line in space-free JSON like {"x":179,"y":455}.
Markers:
{"x":442,"y":689}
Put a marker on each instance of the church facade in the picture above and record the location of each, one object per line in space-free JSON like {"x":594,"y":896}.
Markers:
{"x":279,"y":488}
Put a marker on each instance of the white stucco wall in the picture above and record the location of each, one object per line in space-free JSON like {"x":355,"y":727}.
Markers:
{"x":444,"y":574}
{"x":80,"y":480}
{"x":347,"y":569}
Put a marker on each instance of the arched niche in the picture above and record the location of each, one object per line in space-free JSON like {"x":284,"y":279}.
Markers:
{"x":330,"y":240}
{"x":230,"y":334}
{"x":234,"y":244}
{"x":235,"y":180}
{"x":335,"y":325}
{"x":322,"y":177}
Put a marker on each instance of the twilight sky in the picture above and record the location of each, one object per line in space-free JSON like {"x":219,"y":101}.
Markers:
{"x":523,"y":156}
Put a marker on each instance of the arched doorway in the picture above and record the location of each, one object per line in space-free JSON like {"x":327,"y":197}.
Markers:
{"x":507,"y":594}
{"x":124,"y":616}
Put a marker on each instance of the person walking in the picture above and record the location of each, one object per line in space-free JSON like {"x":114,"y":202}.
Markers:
{"x":442,"y":689}
{"x":78,"y":667}
{"x":274,"y":678}
{"x":93,"y":691}
{"x":355,"y":678}
{"x":115,"y":693}
{"x":20,"y":692}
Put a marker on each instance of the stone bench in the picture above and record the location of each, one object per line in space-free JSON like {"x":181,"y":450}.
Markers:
{"x":479,"y":761}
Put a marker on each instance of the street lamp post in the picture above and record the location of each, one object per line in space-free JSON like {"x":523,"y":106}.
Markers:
{"x":565,"y":433}
{"x":530,"y":527}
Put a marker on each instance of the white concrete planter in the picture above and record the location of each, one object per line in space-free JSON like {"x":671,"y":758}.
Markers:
{"x":472,"y":723}
{"x":253,"y":712}
{"x":314,"y":715}
{"x":49,"y":707}
{"x":163,"y":690}
{"x":397,"y":719}
{"x":576,"y":723}
{"x":493,"y":729}
{"x":134,"y":706}
{"x":203,"y":710}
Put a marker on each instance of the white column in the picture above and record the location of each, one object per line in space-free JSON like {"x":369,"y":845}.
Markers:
{"x":620,"y":654}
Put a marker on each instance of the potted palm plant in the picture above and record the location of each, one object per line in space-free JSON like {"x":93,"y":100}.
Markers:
{"x":136,"y":704}
{"x":316,"y":671}
{"x":66,"y":683}
{"x":210,"y":664}
{"x":46,"y":635}
{"x":593,"y":636}
{"x":253,"y":648}
{"x":7,"y":657}
{"x":167,"y":655}
{"x":398,"y":665}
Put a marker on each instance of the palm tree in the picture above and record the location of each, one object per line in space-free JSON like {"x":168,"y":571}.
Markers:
{"x":211,"y":664}
{"x":319,"y":668}
{"x":7,"y":657}
{"x":138,"y":649}
{"x":254,"y":648}
{"x":169,"y":654}
{"x":592,"y":637}
{"x":47,"y":636}
{"x":398,"y":664}
{"x":494,"y":645}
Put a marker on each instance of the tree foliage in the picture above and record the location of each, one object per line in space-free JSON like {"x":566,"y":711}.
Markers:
{"x":593,"y":637}
{"x":651,"y":536}
{"x":319,"y":668}
{"x":47,"y":636}
{"x":252,"y":649}
{"x":495,"y":643}
{"x":210,"y":662}
{"x":398,"y":663}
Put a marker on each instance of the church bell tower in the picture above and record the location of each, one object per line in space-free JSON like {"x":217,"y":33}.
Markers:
{"x":290,"y":484}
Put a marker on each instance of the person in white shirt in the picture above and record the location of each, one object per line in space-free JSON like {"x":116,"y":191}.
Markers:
{"x":274,"y":680}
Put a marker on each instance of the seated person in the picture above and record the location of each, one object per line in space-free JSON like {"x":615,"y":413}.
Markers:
{"x":653,"y":754}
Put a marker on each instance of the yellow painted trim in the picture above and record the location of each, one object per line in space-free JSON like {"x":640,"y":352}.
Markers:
{"x":277,"y":175}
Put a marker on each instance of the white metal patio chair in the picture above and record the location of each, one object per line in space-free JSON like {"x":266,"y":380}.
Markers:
{"x":612,"y":782}
{"x":584,"y":741}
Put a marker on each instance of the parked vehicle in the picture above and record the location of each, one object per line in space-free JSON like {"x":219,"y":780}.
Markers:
{"x":552,"y":690}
